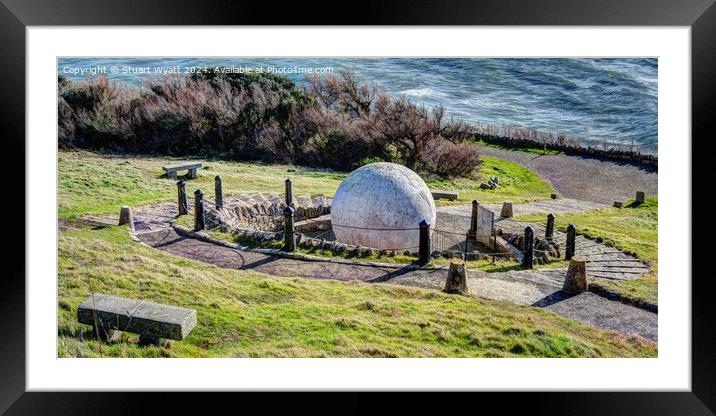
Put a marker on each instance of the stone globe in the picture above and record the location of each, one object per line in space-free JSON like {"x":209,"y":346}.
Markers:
{"x":380,"y":206}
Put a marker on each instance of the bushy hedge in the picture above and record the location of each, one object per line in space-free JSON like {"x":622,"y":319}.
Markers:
{"x":332,"y":121}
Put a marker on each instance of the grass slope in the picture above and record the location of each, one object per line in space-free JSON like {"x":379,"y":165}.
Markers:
{"x":245,"y":314}
{"x":632,"y":229}
{"x":91,"y":183}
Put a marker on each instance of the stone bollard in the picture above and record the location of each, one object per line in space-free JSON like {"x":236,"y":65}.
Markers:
{"x":457,"y":278}
{"x":472,"y":234}
{"x":640,"y":197}
{"x":571,"y":242}
{"x":289,"y":232}
{"x":576,"y":280}
{"x":183,"y":205}
{"x":424,"y":244}
{"x":218,"y":192}
{"x":506,"y":210}
{"x":528,"y":248}
{"x":126,"y":217}
{"x":289,"y":193}
{"x":554,"y":196}
{"x":199,"y":223}
{"x":549,"y":231}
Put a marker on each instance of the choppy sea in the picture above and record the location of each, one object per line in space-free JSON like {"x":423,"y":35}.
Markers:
{"x":601,"y":99}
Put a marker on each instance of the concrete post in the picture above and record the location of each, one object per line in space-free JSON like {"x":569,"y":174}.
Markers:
{"x":289,"y":232}
{"x":218,"y":192}
{"x":289,"y":193}
{"x":549,"y":231}
{"x":126,"y":217}
{"x":528,"y":248}
{"x":571,"y":242}
{"x":183,"y":204}
{"x":199,"y":223}
{"x":424,"y":244}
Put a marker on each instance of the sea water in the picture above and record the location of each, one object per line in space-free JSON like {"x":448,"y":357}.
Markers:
{"x":603,"y":99}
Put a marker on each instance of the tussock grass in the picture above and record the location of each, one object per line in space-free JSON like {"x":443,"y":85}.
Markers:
{"x":246,"y":314}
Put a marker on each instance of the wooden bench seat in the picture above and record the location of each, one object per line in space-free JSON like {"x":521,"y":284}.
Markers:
{"x":449,"y":195}
{"x":155,"y":323}
{"x":172,"y":170}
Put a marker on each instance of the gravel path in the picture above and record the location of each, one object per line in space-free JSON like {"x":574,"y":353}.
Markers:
{"x":589,"y":179}
{"x":538,"y":288}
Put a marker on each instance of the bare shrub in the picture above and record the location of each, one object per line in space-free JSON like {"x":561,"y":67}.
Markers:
{"x":413,"y":129}
{"x":448,"y":159}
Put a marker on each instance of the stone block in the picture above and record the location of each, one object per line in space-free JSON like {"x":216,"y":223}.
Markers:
{"x":457,"y":278}
{"x":618,"y":204}
{"x":640,"y":197}
{"x":506,"y":210}
{"x":146,"y":318}
{"x":553,"y":195}
{"x":576,"y":279}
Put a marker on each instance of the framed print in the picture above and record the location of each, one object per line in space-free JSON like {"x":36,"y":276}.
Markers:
{"x":429,"y":198}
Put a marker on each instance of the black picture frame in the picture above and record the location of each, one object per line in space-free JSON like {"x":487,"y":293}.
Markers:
{"x":16,"y":15}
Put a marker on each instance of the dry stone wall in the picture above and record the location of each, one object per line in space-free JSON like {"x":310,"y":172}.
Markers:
{"x":265,"y":212}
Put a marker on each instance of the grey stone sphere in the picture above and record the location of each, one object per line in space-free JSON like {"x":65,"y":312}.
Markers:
{"x":380,"y":206}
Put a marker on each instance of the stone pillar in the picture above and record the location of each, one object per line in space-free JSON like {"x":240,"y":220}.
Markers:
{"x":183,"y":206}
{"x":424,"y":244}
{"x":640,"y":197}
{"x":571,"y":242}
{"x":473,"y":219}
{"x":549,"y":231}
{"x":457,"y":278}
{"x":126,"y":217}
{"x":289,"y":232}
{"x":192,"y":173}
{"x":218,"y":192}
{"x":528,"y":248}
{"x":576,"y":279}
{"x":289,"y":193}
{"x":506,"y":210}
{"x":199,"y":223}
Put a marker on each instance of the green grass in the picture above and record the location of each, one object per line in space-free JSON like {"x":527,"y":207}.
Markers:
{"x":632,"y":229}
{"x":530,"y":149}
{"x":91,"y":183}
{"x":246,"y":314}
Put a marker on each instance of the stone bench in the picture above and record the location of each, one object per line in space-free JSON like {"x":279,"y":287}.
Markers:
{"x":155,"y":323}
{"x":172,"y":170}
{"x":449,"y":195}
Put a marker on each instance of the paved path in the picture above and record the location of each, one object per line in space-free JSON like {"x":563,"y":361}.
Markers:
{"x":540,"y":288}
{"x":555,"y":206}
{"x":589,"y":179}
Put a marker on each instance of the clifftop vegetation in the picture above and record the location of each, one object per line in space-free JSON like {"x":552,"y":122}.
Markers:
{"x":334,"y":122}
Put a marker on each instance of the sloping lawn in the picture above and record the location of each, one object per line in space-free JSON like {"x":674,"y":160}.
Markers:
{"x":91,"y":183}
{"x":245,"y":314}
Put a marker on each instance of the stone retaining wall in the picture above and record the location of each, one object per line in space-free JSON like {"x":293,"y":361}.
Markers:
{"x":265,"y":212}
